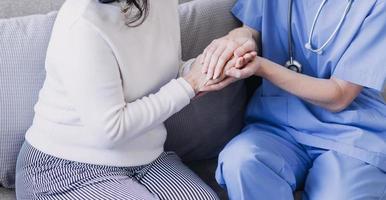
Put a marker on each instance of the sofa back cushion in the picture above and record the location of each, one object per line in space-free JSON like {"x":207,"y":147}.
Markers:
{"x":16,"y":8}
{"x":22,"y":54}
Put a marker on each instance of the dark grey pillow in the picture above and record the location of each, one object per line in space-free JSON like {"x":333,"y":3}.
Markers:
{"x":22,"y":54}
{"x":202,"y":129}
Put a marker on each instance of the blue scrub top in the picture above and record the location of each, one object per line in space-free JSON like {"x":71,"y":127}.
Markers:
{"x":356,"y":54}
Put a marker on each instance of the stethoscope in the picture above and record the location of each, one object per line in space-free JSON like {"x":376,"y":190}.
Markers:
{"x":294,"y":65}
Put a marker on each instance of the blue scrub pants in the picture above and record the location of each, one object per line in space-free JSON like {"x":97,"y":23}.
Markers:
{"x":260,"y":165}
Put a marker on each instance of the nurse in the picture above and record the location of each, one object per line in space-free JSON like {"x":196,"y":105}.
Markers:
{"x":322,"y":130}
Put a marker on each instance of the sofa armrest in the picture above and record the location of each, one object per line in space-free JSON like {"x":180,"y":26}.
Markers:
{"x":202,"y":21}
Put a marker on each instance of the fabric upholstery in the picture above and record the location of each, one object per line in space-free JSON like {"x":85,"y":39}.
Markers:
{"x":24,"y":42}
{"x":14,"y":8}
{"x":202,"y":22}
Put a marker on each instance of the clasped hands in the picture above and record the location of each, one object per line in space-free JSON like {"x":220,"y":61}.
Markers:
{"x":224,"y":61}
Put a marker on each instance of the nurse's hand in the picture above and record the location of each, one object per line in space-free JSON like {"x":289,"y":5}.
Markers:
{"x":232,"y":74}
{"x":236,"y":44}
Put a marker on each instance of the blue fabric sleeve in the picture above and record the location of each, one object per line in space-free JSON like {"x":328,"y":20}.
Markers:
{"x":364,"y":61}
{"x":250,"y":12}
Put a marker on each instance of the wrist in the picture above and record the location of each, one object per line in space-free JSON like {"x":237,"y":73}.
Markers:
{"x":263,"y":69}
{"x":192,"y":82}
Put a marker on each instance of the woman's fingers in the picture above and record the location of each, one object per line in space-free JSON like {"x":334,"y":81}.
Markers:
{"x":230,"y":64}
{"x":247,"y":46}
{"x":202,"y":59}
{"x":216,"y":55}
{"x":208,"y":52}
{"x":218,"y":86}
{"x":224,"y":58}
{"x":220,"y":51}
{"x":199,"y":59}
{"x":214,"y":60}
{"x":234,"y":74}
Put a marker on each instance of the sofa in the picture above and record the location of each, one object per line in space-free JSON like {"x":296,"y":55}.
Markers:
{"x":197,"y":144}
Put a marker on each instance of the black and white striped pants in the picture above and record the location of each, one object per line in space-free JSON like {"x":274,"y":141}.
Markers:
{"x":45,"y":177}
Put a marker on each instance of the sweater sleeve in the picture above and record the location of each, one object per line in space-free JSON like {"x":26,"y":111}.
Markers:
{"x":91,"y":77}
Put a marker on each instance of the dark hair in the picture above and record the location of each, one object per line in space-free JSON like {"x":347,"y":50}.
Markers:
{"x":140,"y":8}
{"x":134,"y":11}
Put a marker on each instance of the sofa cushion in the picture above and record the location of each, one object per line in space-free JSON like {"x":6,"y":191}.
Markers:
{"x":201,"y":129}
{"x":23,"y":48}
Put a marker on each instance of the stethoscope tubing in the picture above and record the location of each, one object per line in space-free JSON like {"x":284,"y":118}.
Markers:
{"x":294,"y":65}
{"x":319,"y":50}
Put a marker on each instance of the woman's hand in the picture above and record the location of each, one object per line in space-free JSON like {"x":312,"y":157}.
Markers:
{"x":236,"y":44}
{"x":234,"y":72}
{"x":235,"y":62}
{"x":195,"y":77}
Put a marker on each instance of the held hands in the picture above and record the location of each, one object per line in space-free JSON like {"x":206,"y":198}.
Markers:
{"x":236,"y":44}
{"x":225,"y":61}
{"x":234,"y":72}
{"x":235,"y":69}
{"x":230,"y":58}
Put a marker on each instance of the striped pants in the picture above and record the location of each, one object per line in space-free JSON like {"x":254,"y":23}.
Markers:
{"x":44,"y":177}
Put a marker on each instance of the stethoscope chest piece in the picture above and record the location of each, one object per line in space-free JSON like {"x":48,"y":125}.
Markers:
{"x":294,"y":66}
